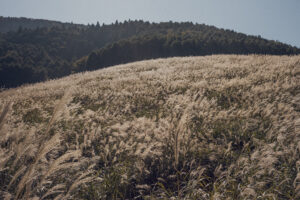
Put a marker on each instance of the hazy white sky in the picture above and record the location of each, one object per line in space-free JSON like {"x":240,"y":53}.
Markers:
{"x":272,"y":19}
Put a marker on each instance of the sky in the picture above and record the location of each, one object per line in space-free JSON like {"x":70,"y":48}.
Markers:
{"x":272,"y":19}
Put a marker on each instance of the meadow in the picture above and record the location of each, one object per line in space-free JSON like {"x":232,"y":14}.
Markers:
{"x":210,"y":127}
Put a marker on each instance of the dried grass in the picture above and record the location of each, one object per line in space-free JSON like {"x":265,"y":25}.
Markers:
{"x":218,"y":127}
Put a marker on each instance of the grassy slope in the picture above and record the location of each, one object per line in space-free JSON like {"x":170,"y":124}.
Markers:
{"x":198,"y":127}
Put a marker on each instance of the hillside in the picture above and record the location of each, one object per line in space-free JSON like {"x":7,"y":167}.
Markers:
{"x":212,"y":127}
{"x":54,"y":51}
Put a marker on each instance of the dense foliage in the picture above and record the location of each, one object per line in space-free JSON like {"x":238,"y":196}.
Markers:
{"x":185,"y":43}
{"x":9,"y":24}
{"x":31,"y":54}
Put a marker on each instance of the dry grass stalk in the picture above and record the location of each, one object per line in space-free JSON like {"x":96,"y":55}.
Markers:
{"x":3,"y":114}
{"x":48,"y":146}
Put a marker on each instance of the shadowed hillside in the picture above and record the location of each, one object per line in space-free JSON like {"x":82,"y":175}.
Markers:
{"x":186,"y":43}
{"x":11,"y":24}
{"x":213,"y":127}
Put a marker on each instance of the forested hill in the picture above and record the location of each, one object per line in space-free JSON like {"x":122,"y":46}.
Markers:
{"x":8,"y":24}
{"x":33,"y":55}
{"x":186,"y":43}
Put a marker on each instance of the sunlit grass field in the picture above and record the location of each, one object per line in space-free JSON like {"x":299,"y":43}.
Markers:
{"x":213,"y":127}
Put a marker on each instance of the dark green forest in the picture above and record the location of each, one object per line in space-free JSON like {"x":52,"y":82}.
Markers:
{"x":31,"y":54}
{"x":187,"y":43}
{"x":10,"y":24}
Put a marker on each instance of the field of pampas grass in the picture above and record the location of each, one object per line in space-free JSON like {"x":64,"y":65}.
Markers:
{"x":213,"y":127}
